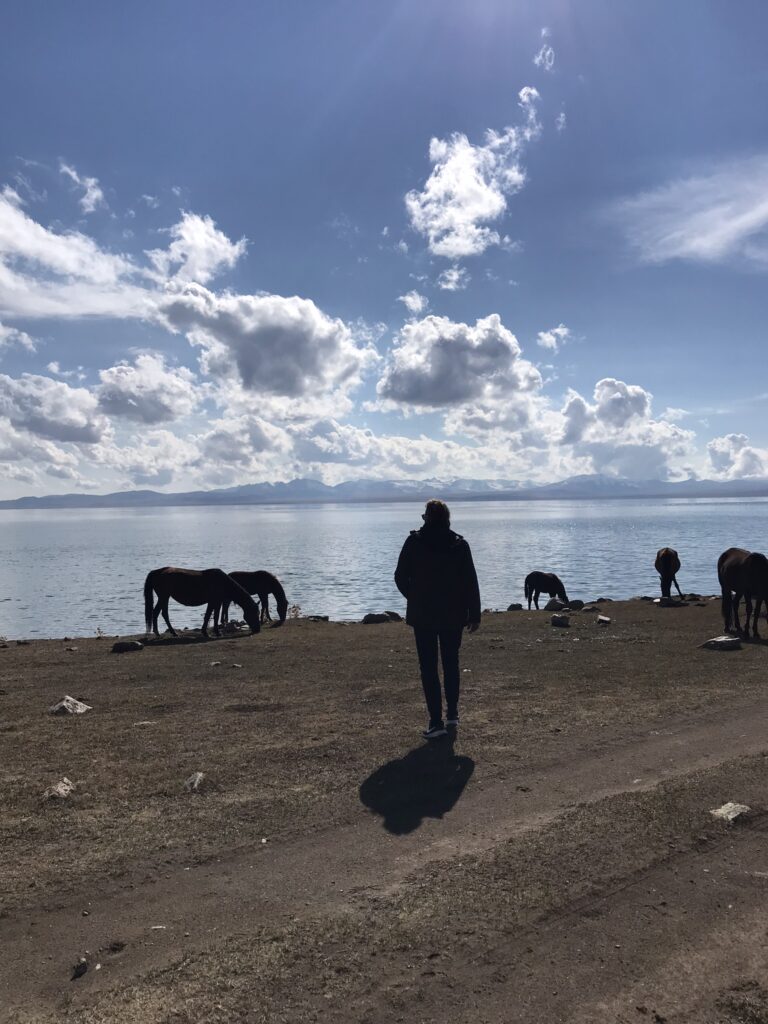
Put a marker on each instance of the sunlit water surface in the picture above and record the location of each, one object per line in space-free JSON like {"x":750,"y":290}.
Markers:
{"x":71,"y":572}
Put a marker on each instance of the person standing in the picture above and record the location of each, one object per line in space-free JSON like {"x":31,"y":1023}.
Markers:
{"x":436,"y":575}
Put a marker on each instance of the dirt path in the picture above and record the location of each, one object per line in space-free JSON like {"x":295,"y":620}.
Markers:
{"x":331,"y":871}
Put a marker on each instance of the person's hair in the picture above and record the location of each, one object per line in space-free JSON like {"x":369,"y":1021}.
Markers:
{"x":437,"y":513}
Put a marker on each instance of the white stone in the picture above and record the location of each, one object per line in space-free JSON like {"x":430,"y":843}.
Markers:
{"x":70,"y":706}
{"x":730,"y":812}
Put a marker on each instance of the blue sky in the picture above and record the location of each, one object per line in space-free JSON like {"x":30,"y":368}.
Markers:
{"x":481,"y":239}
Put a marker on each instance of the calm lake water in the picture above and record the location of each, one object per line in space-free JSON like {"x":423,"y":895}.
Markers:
{"x":67,"y":572}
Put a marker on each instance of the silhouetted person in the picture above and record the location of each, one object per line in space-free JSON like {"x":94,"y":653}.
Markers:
{"x":436,"y":575}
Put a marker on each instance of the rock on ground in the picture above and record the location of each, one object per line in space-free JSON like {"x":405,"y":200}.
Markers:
{"x":70,"y":706}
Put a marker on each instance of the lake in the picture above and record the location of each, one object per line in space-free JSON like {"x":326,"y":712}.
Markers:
{"x":72,"y":572}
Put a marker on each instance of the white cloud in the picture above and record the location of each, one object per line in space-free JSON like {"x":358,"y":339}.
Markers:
{"x":561,"y":121}
{"x":436,"y":362}
{"x":708,"y":218}
{"x":468,"y":186}
{"x":269,"y":343}
{"x":198,"y":251}
{"x":151,"y":201}
{"x":732,"y":457}
{"x":12,"y":336}
{"x":545,"y":57}
{"x":154,"y":460}
{"x":554,"y":338}
{"x":92,"y":197}
{"x":618,"y":435}
{"x":414,"y":302}
{"x":51,"y":409}
{"x":453,"y":279}
{"x":147,"y":391}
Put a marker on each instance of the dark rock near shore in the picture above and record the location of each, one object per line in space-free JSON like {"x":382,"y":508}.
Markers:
{"x":316,"y":618}
{"x":576,"y":606}
{"x":123,"y":646}
{"x":553,"y":605}
{"x":515,"y":608}
{"x":374,"y":618}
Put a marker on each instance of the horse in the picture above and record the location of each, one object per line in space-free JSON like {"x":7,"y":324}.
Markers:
{"x":742,"y":572}
{"x":667,"y":566}
{"x":546,"y":582}
{"x":262,"y":583}
{"x":211,"y":587}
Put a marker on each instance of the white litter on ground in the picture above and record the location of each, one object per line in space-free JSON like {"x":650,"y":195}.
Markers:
{"x":730,"y":812}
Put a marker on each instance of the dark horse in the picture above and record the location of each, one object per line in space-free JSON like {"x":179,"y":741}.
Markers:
{"x":211,"y":587}
{"x":742,"y":572}
{"x":262,"y":583}
{"x":667,"y":566}
{"x":536,"y":582}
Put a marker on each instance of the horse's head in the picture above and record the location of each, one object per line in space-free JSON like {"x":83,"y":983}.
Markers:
{"x":282,"y":609}
{"x":562,"y":594}
{"x":252,"y":615}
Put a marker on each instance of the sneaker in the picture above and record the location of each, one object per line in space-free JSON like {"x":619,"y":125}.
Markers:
{"x":434,"y":732}
{"x":453,"y":722}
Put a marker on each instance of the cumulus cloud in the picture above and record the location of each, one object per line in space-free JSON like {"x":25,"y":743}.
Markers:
{"x":147,"y":391}
{"x":12,"y":336}
{"x":436,"y":362}
{"x":198,"y":251}
{"x":269,"y":343}
{"x":92,"y":195}
{"x":554,"y":338}
{"x":619,"y":436}
{"x":51,"y":409}
{"x":468,"y":186}
{"x":415,"y":303}
{"x":453,"y":279}
{"x":561,"y":121}
{"x":708,"y":218}
{"x":732,"y":457}
{"x":154,"y":459}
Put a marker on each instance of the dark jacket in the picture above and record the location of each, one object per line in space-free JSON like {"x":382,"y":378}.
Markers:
{"x":436,"y":575}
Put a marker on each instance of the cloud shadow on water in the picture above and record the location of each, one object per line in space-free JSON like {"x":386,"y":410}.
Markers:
{"x":425,"y":783}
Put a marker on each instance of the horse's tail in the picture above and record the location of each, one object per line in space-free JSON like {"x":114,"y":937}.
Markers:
{"x":148,"y":600}
{"x":528,"y":588}
{"x":281,"y":600}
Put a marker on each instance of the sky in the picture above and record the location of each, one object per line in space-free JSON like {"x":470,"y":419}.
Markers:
{"x":477,"y":239}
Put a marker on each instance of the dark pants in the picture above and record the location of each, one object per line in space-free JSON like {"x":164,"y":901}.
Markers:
{"x":427,"y":641}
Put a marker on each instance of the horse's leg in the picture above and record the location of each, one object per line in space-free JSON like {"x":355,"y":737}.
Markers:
{"x":155,"y":616}
{"x":735,"y":605}
{"x":747,"y":613}
{"x":265,"y":606}
{"x":535,"y":599}
{"x":225,"y":613}
{"x":677,"y":585}
{"x":758,"y":604}
{"x":216,"y":611}
{"x":164,"y":611}
{"x":208,"y":610}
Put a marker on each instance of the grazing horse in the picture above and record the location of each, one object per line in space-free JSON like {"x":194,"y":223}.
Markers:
{"x":211,"y":587}
{"x":262,"y":583}
{"x":742,"y":572}
{"x":536,"y":582}
{"x":667,"y":566}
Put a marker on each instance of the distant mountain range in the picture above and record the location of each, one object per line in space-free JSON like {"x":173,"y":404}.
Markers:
{"x":303,"y":491}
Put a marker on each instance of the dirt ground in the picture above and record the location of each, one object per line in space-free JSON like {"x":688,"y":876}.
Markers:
{"x":556,"y":861}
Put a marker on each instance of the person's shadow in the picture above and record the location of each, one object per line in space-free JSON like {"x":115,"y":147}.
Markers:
{"x":426,"y":783}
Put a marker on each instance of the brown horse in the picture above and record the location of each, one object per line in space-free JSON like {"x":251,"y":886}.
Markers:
{"x":668,"y":566}
{"x":742,"y":572}
{"x":262,"y":583}
{"x":546,"y":582}
{"x":211,"y":587}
